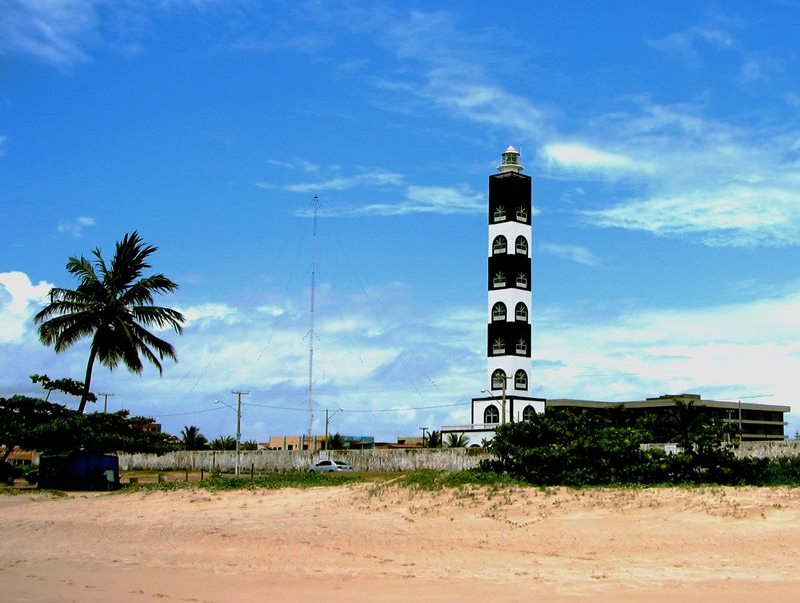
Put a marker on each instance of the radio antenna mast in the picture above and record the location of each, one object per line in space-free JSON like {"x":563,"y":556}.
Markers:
{"x":310,"y":390}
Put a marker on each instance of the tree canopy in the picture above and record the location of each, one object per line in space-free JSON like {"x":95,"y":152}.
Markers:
{"x":112,"y":304}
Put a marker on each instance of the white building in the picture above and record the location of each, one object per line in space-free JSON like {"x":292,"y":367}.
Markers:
{"x":509,"y":317}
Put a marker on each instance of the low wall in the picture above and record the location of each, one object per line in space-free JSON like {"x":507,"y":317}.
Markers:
{"x":265,"y":461}
{"x":447,"y":459}
{"x":769,"y":450}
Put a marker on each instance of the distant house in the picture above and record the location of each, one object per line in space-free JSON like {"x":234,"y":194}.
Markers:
{"x":315,"y":443}
{"x":20,"y":457}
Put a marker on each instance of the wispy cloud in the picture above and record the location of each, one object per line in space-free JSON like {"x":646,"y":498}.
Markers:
{"x":75,"y":227}
{"x":367,"y":179}
{"x":732,"y":216}
{"x":684,"y":45}
{"x":583,"y":157}
{"x":294,"y":164}
{"x":573,"y":253}
{"x":53,"y":32}
{"x":415,"y":200}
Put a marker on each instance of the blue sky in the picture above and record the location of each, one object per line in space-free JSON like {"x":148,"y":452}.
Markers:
{"x":663,"y":140}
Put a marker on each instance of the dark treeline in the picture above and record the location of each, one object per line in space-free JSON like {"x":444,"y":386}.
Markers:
{"x":581,"y":447}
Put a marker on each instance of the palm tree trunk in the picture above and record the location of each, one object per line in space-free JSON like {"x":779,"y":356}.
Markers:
{"x":88,"y":380}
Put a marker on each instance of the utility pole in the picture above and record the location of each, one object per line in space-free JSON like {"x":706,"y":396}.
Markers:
{"x":105,"y":401}
{"x":239,"y":395}
{"x":423,"y":429}
{"x":505,"y":381}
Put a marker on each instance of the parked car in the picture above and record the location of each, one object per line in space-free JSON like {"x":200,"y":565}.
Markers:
{"x":328,"y":466}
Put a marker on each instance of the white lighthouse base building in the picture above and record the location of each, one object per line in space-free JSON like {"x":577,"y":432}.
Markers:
{"x":488,"y":413}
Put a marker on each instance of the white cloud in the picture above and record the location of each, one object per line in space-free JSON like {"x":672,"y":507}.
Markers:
{"x":76,"y":226}
{"x":726,"y":351}
{"x":582,"y":157}
{"x":574,"y":253}
{"x":203,"y":314}
{"x":19,"y":301}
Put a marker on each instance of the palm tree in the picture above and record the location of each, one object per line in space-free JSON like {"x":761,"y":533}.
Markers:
{"x":336,"y":442}
{"x":192,"y":439}
{"x":112,"y":304}
{"x":433,"y":439}
{"x":457,"y":440}
{"x":223,"y":443}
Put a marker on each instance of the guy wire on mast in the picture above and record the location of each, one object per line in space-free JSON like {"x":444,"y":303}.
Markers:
{"x":309,"y":397}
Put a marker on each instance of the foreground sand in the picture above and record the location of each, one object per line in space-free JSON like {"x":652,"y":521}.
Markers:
{"x":368,"y":543}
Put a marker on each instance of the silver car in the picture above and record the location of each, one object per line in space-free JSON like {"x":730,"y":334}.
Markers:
{"x":328,"y":466}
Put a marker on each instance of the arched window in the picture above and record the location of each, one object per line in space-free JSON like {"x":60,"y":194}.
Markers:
{"x":528,"y":413}
{"x":498,"y":379}
{"x":499,"y":280}
{"x":521,"y":245}
{"x":521,"y":379}
{"x":521,"y":312}
{"x":499,"y":346}
{"x":499,"y":245}
{"x":498,"y":312}
{"x":491,"y":414}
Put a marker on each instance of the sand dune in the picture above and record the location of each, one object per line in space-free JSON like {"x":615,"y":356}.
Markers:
{"x":382,"y":543}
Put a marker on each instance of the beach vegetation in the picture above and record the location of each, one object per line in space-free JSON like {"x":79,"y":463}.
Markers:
{"x":576,"y":447}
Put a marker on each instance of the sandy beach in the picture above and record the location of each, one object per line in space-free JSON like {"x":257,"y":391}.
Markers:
{"x":383,"y":543}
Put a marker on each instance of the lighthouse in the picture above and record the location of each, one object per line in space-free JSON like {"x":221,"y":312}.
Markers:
{"x":509,"y":316}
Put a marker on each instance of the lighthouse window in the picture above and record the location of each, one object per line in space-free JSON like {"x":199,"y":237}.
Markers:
{"x":498,"y":379}
{"x":521,"y":312}
{"x":491,"y":414}
{"x":499,"y":280}
{"x":499,"y":245}
{"x":522,"y":280}
{"x":522,"y":346}
{"x":498,"y":312}
{"x":499,"y":213}
{"x":521,"y":245}
{"x":528,"y":413}
{"x":521,"y":379}
{"x":522,"y":214}
{"x":499,"y":346}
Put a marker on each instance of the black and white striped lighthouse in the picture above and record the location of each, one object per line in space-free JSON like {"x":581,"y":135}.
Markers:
{"x":509,"y":280}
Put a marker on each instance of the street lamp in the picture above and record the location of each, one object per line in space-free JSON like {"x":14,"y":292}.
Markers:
{"x":503,"y":399}
{"x":327,"y":419}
